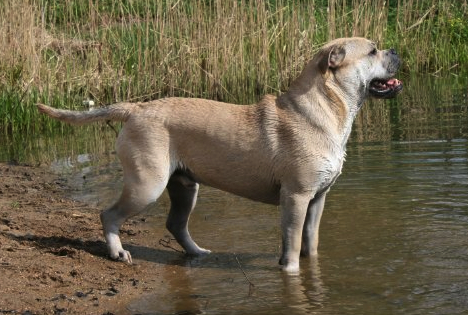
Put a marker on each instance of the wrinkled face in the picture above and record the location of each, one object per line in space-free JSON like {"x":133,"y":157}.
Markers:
{"x":357,"y":64}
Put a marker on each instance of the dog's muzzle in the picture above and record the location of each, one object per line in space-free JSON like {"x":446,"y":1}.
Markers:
{"x":387,"y":87}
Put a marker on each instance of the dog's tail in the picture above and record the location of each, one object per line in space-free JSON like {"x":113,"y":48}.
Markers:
{"x":116,"y":112}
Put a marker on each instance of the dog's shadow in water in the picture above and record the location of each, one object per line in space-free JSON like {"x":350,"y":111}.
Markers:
{"x":67,"y":246}
{"x":223,"y":260}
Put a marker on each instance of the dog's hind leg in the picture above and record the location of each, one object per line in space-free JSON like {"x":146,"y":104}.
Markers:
{"x":183,"y":193}
{"x":141,"y":188}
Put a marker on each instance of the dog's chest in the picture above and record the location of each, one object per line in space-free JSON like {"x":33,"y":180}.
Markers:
{"x":328,"y":173}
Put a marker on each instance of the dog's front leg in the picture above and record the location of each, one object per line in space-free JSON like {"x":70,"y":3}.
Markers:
{"x":310,"y":232}
{"x":293,"y":214}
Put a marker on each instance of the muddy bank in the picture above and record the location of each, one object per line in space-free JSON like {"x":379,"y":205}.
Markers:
{"x":53,"y":259}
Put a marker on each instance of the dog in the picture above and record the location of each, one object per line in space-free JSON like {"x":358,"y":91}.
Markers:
{"x":286,"y":150}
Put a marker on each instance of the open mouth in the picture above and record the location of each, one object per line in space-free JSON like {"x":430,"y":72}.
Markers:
{"x":383,"y":88}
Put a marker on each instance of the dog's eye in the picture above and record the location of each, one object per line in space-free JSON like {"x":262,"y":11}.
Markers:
{"x":373,"y":51}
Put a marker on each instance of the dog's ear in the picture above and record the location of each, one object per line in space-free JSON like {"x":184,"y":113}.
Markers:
{"x":332,"y":58}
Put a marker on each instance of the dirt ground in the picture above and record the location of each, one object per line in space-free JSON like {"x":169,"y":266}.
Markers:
{"x":53,"y":259}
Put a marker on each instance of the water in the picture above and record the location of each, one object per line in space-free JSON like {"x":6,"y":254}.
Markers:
{"x":393,"y":238}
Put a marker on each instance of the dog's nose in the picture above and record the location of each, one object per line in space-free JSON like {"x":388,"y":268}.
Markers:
{"x":392,"y":51}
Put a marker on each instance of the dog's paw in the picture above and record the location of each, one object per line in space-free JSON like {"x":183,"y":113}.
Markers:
{"x":199,"y":252}
{"x":122,"y":255}
{"x":204,"y":251}
{"x":291,"y":268}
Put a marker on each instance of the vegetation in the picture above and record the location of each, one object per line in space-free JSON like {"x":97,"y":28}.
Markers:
{"x":63,"y":52}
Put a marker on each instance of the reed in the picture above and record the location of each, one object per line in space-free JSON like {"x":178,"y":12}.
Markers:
{"x":65,"y":51}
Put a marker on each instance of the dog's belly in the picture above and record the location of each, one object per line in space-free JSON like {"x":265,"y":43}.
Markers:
{"x":244,"y":172}
{"x":250,"y":190}
{"x":246,"y":183}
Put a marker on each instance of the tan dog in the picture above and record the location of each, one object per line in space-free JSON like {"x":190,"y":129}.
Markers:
{"x":285,"y":151}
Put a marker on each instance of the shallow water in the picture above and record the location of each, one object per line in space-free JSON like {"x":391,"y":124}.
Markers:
{"x":393,"y":241}
{"x":393,"y":238}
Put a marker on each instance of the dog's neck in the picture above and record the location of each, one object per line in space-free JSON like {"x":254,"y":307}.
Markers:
{"x":324,"y":101}
{"x":340,"y":95}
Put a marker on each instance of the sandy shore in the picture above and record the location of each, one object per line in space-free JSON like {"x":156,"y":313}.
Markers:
{"x":53,"y":259}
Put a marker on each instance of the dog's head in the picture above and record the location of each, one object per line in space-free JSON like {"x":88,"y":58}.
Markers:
{"x":357,"y":65}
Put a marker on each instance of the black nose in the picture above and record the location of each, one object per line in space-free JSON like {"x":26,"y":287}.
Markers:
{"x":392,"y":51}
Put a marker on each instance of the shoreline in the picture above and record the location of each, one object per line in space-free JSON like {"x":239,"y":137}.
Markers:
{"x":53,"y":258}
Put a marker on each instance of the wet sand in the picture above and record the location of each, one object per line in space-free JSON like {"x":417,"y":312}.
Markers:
{"x":53,"y":258}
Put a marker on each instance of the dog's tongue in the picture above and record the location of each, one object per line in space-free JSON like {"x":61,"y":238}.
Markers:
{"x":393,"y":82}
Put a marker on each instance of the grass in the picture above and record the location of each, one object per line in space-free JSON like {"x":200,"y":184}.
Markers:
{"x":62,"y":52}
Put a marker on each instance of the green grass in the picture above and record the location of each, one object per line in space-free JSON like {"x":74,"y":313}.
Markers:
{"x":64,"y":51}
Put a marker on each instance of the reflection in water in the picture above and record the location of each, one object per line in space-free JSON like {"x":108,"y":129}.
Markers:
{"x":175,"y":296}
{"x":306,"y":294}
{"x":393,"y":234}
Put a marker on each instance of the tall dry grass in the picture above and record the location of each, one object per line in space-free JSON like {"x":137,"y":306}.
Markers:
{"x":65,"y":51}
